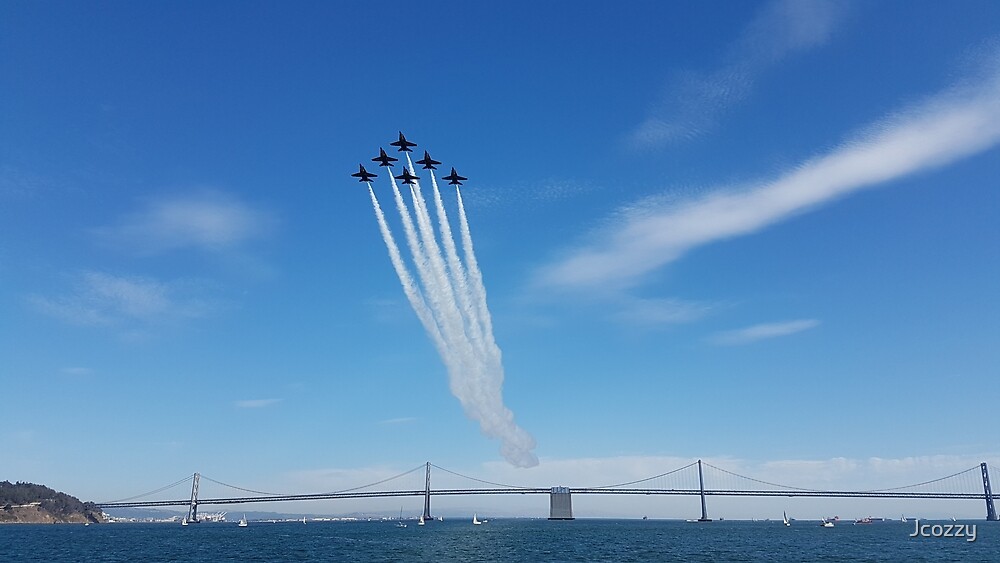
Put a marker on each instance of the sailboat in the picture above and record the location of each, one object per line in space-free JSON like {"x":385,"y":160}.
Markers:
{"x":475,"y":520}
{"x":785,"y":518}
{"x":400,"y":523}
{"x":826,"y":523}
{"x":243,"y":521}
{"x":303,"y":519}
{"x":184,"y":522}
{"x":421,"y":521}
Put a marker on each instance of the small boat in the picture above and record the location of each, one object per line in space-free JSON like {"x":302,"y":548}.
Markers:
{"x":902,"y":518}
{"x":953,"y":519}
{"x":784,"y":518}
{"x":866,"y":520}
{"x":825,"y":523}
{"x":303,"y":519}
{"x":243,"y":522}
{"x":184,"y":522}
{"x":400,"y":523}
{"x":475,"y":520}
{"x":421,"y":521}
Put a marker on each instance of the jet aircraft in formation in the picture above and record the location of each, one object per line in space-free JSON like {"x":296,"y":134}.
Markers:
{"x":428,"y":162}
{"x":454,"y":178}
{"x":403,"y":144}
{"x":383,"y":159}
{"x":363,"y":175}
{"x":407,"y":176}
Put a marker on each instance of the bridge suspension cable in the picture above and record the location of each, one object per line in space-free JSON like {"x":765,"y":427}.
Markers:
{"x":692,"y":464}
{"x":207,"y":478}
{"x":421,"y":466}
{"x":970,"y":470}
{"x":160,"y":490}
{"x":483,"y":481}
{"x":758,"y":480}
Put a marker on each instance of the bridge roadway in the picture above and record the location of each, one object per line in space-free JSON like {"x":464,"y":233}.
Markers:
{"x":548,"y":490}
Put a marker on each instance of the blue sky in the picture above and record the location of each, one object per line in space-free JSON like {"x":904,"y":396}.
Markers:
{"x":759,"y":233}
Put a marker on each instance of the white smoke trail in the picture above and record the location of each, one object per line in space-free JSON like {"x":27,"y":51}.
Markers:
{"x":454,"y":313}
{"x":476,"y":277}
{"x":410,"y":288}
{"x":458,"y":276}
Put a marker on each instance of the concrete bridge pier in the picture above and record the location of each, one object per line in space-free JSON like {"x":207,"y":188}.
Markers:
{"x":560,"y":504}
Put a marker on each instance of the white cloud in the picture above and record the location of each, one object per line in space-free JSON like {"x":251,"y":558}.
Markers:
{"x":257,"y":403}
{"x":659,"y":311}
{"x":99,"y":298}
{"x":696,"y":101}
{"x":400,"y":420}
{"x":946,"y":128}
{"x":211,"y":221}
{"x":764,"y":331}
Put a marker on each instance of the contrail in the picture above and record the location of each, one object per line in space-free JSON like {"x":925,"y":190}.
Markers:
{"x":409,"y":287}
{"x":450,"y":301}
{"x":458,"y":275}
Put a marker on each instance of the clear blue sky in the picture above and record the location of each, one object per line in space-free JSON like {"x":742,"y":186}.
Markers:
{"x":752,"y":232}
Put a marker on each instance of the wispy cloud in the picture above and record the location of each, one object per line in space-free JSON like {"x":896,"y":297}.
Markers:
{"x":400,"y":420}
{"x":696,"y":101}
{"x":763,"y":332}
{"x":659,"y":311}
{"x":257,"y":403}
{"x":100,"y":298}
{"x":948,"y":127}
{"x":211,"y":221}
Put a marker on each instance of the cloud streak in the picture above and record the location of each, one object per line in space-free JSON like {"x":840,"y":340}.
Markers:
{"x":101,"y":299}
{"x":257,"y":403}
{"x":763,"y":332}
{"x":695,"y":102}
{"x":946,"y":128}
{"x":210,"y":221}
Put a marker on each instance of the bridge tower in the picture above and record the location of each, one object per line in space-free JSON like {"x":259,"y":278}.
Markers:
{"x":991,"y":511}
{"x":701,"y":488}
{"x":427,"y":494}
{"x":560,"y":504}
{"x":193,"y":509}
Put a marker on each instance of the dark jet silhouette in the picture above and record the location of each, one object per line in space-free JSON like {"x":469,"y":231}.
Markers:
{"x":454,"y":178}
{"x":428,"y":162}
{"x":406,"y":177}
{"x":403,"y":144}
{"x":383,"y":159}
{"x":363,"y":175}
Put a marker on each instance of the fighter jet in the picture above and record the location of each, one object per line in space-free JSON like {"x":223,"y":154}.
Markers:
{"x":403,"y":144}
{"x":363,"y":175}
{"x":428,"y":162}
{"x":383,"y":159}
{"x":454,"y":178}
{"x":406,"y":177}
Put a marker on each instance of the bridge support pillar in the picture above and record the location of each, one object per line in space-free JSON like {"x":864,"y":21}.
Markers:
{"x":991,"y":511}
{"x":427,"y":494}
{"x":192,"y":516}
{"x":701,"y":487}
{"x":560,"y":504}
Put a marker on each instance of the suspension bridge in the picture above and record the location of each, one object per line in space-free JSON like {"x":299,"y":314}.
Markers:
{"x":691,"y":479}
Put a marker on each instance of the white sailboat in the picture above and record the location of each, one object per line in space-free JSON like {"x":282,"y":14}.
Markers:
{"x":400,"y":523}
{"x":184,"y":522}
{"x":475,"y":520}
{"x":785,"y":518}
{"x":421,"y":521}
{"x":243,"y":521}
